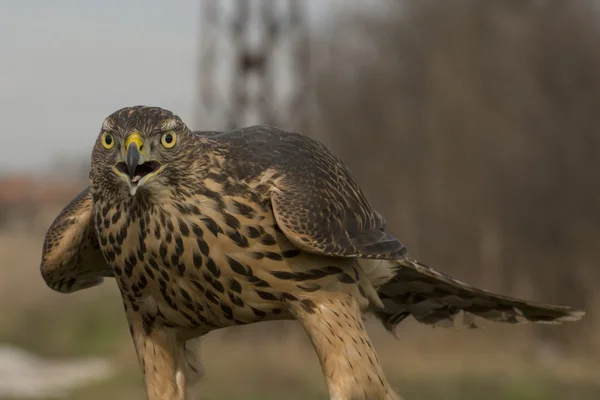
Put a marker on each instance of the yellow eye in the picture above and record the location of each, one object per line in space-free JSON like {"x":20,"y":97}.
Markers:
{"x":108,"y":141}
{"x":168,"y":139}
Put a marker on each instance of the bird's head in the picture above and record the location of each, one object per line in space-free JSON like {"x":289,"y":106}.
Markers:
{"x":141,"y":149}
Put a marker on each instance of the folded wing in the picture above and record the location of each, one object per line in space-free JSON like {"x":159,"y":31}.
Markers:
{"x":71,"y":257}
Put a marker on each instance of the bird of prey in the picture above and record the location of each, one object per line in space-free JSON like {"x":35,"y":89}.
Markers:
{"x":205,"y":230}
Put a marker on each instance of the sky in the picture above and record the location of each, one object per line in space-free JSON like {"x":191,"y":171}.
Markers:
{"x":65,"y":65}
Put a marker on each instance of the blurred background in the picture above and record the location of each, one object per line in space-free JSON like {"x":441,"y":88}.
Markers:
{"x":471,"y":125}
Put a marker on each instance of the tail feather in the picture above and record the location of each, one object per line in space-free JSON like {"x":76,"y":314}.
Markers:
{"x":432,"y":297}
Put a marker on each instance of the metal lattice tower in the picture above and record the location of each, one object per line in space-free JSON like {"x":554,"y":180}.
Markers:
{"x":254,"y":64}
{"x":254,"y":68}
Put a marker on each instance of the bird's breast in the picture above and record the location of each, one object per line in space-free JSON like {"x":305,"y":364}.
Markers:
{"x":204,"y":261}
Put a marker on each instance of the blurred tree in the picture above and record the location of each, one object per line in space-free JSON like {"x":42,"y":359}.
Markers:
{"x":471,"y":125}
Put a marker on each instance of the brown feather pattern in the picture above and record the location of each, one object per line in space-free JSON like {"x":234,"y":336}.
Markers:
{"x":246,"y":226}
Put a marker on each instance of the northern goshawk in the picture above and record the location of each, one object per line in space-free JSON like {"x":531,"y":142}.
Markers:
{"x":205,"y":230}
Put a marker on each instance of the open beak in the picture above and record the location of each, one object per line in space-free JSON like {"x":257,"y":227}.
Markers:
{"x":136,"y":169}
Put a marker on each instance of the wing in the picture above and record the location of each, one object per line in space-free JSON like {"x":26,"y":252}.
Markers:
{"x":71,"y":257}
{"x":316,"y":201}
{"x":329,"y":215}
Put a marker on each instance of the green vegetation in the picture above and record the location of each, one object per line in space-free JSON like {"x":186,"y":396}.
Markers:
{"x":465,"y":388}
{"x":245,"y":365}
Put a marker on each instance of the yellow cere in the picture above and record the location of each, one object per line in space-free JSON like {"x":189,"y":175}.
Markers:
{"x":134,"y":137}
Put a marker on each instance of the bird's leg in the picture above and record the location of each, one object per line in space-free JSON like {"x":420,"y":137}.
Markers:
{"x":348,"y":360}
{"x":161,"y":357}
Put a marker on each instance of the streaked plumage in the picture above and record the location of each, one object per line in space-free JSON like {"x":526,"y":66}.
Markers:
{"x":229,"y":228}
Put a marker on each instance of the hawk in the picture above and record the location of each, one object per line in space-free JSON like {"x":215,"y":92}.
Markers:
{"x":205,"y":230}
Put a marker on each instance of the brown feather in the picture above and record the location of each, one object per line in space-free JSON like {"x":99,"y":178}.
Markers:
{"x":71,"y":257}
{"x":435,"y":298}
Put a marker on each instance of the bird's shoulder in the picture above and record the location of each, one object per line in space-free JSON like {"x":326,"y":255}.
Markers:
{"x":266,"y":145}
{"x":316,"y":199}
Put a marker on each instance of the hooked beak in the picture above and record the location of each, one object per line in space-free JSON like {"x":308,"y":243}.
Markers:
{"x":136,"y":170}
{"x":132,"y":159}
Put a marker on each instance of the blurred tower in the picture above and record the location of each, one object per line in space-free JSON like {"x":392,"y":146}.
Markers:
{"x":254,"y":64}
{"x":254,"y":68}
